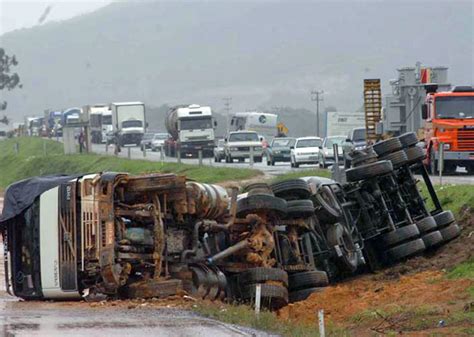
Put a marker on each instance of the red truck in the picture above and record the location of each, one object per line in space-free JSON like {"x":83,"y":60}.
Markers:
{"x":449,"y":119}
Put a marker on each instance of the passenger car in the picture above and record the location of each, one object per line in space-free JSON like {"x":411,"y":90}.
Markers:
{"x":219,"y":152}
{"x":306,"y":151}
{"x":158,"y":141}
{"x":279,"y":150}
{"x":146,"y":141}
{"x":240,"y":144}
{"x":326,"y":155}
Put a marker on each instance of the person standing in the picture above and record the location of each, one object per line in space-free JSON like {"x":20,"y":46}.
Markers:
{"x":81,"y":141}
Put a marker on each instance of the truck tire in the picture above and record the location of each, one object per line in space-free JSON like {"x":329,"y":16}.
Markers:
{"x":451,"y":232}
{"x":369,"y":171}
{"x":261,"y":202}
{"x":408,"y":139}
{"x":272,"y":296}
{"x":303,"y":294}
{"x":415,"y":154}
{"x":339,"y":235}
{"x":432,"y":239}
{"x":387,"y":146}
{"x":328,"y":210}
{"x":444,"y":218}
{"x":258,"y":188}
{"x":291,"y":189}
{"x":308,"y":279}
{"x":405,"y":250}
{"x":262,"y":275}
{"x":426,"y":225}
{"x":397,"y":158}
{"x":400,"y":235}
{"x":300,"y":208}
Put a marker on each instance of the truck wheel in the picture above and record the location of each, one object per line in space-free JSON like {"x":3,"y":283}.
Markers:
{"x":308,"y":279}
{"x":387,"y":146}
{"x":300,"y":208}
{"x":433,"y":162}
{"x":301,"y":295}
{"x":257,"y":188}
{"x":408,"y":139}
{"x":262,"y":275}
{"x":426,"y":225}
{"x":338,"y":235}
{"x":399,"y":235}
{"x":470,"y":169}
{"x":291,"y":189}
{"x":272,"y":296}
{"x":260,"y":203}
{"x":369,"y":171}
{"x":444,"y":218}
{"x":450,"y":232}
{"x":405,"y":250}
{"x":273,"y":162}
{"x":432,"y":239}
{"x":414,"y":154}
{"x":397,"y":158}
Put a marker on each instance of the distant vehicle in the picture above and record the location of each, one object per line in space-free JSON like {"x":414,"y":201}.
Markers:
{"x":279,"y":150}
{"x":158,"y":141}
{"x":96,"y":115}
{"x":241,"y":144}
{"x":219,"y":151}
{"x":265,"y":124}
{"x":306,"y":151}
{"x":107,"y":126}
{"x":146,"y":141}
{"x":355,"y":140}
{"x":191,"y":129}
{"x":129,"y":123}
{"x":326,"y":155}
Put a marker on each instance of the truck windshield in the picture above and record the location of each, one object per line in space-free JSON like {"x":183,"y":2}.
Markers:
{"x":196,"y":123}
{"x":107,"y":120}
{"x":23,"y":245}
{"x":309,"y":143}
{"x":243,"y":137}
{"x":132,"y":124}
{"x":454,"y":107}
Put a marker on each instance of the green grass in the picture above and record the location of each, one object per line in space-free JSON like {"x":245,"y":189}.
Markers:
{"x":32,"y":161}
{"x":452,"y":197}
{"x":244,"y":315}
{"x":303,"y":173}
{"x":463,"y":270}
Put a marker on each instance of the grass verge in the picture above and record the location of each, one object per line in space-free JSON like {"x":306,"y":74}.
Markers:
{"x":244,"y":315}
{"x":453,"y":197}
{"x":303,"y":173}
{"x":41,"y":157}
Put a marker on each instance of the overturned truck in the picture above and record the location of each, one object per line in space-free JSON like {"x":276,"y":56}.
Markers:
{"x":155,"y":235}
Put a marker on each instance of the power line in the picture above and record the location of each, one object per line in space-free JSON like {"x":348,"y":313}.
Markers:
{"x":228,"y":107}
{"x":316,"y":96}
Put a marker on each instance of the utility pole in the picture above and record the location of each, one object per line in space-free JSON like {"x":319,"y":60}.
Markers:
{"x":316,"y":95}
{"x":227,"y":105}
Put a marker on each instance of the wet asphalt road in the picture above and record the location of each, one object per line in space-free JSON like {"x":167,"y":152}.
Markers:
{"x":460,"y":178}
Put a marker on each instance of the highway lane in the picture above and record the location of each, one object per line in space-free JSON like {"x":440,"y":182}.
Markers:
{"x":460,"y":178}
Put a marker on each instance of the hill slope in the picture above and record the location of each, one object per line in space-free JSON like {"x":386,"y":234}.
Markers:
{"x":261,"y":54}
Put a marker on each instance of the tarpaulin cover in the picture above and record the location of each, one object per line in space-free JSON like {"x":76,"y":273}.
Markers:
{"x":21,"y":195}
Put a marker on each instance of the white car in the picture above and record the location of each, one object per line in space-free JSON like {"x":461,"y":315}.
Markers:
{"x":158,"y":141}
{"x":306,"y":151}
{"x":241,"y":144}
{"x":326,"y":154}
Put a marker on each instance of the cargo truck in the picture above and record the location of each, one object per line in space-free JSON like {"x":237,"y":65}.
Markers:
{"x":128,"y":122}
{"x":191,"y":129}
{"x":449,"y":117}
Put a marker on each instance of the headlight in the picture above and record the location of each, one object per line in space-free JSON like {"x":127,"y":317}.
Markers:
{"x":277,"y":152}
{"x":234,"y":148}
{"x":258,"y":148}
{"x":446,"y":146}
{"x":360,"y":147}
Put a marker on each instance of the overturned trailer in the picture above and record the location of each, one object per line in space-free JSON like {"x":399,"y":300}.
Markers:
{"x":153,"y":235}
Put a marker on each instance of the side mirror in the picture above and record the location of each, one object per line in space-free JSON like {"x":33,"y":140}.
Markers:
{"x":424,"y":111}
{"x":215,"y":123}
{"x":292,"y":147}
{"x":146,"y":124}
{"x":225,"y":140}
{"x":348,"y":140}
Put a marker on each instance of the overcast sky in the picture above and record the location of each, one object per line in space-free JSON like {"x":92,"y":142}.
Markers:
{"x":16,"y":14}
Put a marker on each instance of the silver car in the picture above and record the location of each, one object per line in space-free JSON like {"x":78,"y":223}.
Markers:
{"x":326,"y":154}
